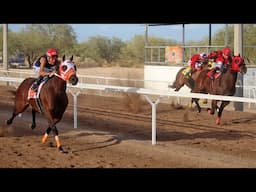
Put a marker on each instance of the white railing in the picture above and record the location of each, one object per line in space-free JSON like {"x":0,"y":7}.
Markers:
{"x":75,"y":91}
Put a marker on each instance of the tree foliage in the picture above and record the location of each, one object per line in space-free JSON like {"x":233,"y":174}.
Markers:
{"x":35,"y":39}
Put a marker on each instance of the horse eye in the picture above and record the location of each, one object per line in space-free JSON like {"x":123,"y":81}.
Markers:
{"x":75,"y":67}
{"x":64,"y":68}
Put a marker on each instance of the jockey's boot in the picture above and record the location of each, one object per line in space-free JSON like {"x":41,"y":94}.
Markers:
{"x":37,"y":83}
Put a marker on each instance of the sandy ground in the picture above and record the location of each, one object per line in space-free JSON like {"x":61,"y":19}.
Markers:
{"x":115,"y":132}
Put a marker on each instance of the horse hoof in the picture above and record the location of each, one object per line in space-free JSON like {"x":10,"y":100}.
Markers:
{"x":33,"y":126}
{"x":8,"y":122}
{"x":61,"y":150}
{"x":210,"y":111}
{"x":217,"y":121}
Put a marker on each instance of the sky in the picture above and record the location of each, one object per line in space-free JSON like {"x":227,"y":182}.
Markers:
{"x":127,"y":31}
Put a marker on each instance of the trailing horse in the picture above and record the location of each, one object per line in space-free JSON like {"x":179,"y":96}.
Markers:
{"x":182,"y":80}
{"x":224,"y":84}
{"x":52,"y":100}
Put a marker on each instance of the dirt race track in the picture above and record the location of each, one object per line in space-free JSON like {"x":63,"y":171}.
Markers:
{"x":115,"y":132}
{"x":111,"y":135}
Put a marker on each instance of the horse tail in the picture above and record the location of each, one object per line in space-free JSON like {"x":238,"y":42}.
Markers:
{"x":173,"y":85}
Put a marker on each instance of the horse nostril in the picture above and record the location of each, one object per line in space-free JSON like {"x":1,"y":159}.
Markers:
{"x":73,"y":80}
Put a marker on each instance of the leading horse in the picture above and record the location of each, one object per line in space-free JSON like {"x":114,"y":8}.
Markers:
{"x":225,"y":84}
{"x":53,"y":98}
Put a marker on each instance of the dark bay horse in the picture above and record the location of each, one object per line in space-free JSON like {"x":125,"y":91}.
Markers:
{"x":53,"y":97}
{"x":182,"y":80}
{"x":225,"y":84}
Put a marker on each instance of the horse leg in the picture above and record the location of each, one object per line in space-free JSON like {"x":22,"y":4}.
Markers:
{"x":33,"y":126}
{"x":57,"y":139}
{"x":222,"y":106}
{"x":211,"y":111}
{"x":46,"y":134}
{"x":197,"y":104}
{"x":176,"y":85}
{"x":52,"y":126}
{"x":179,"y":81}
{"x":17,"y":110}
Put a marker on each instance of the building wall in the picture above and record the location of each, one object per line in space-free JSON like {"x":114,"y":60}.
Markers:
{"x":159,"y":77}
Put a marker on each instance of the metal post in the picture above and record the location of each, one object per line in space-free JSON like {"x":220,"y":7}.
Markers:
{"x":183,"y":43}
{"x":238,"y":49}
{"x":5,"y":49}
{"x":75,"y":106}
{"x":146,"y":41}
{"x":153,"y":104}
{"x":5,"y":46}
{"x":210,"y":35}
{"x":226,"y":36}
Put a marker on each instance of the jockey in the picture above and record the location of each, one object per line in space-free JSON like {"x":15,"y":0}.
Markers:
{"x":45,"y":66}
{"x":195,"y":63}
{"x":221,"y":62}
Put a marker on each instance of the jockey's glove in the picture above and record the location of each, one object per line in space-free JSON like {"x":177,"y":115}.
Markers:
{"x":51,"y":74}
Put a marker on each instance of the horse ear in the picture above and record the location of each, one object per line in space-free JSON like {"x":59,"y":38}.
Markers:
{"x":71,"y":58}
{"x":63,"y":58}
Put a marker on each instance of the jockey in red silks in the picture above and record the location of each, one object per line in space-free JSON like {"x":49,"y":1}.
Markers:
{"x":221,"y":61}
{"x":195,"y":63}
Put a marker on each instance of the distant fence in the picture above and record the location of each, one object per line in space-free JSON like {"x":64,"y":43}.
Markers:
{"x":155,"y":55}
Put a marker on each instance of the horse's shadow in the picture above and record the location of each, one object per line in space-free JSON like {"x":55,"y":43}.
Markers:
{"x":111,"y":132}
{"x":86,"y":146}
{"x":218,"y":135}
{"x":123,"y":131}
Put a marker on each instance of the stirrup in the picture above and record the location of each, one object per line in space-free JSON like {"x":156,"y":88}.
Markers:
{"x":34,"y":87}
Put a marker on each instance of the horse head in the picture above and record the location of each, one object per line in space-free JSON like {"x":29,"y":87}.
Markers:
{"x":66,"y":70}
{"x":238,"y":64}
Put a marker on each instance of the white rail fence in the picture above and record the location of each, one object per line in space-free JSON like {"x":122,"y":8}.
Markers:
{"x":249,"y":91}
{"x":76,"y":90}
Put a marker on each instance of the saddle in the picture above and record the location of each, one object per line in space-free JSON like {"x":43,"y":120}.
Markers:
{"x":35,"y":94}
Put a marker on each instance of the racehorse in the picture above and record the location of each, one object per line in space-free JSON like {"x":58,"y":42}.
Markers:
{"x":225,"y":84}
{"x":182,"y":80}
{"x":53,"y":97}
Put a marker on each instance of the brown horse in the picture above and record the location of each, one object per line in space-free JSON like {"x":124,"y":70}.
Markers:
{"x":53,"y":97}
{"x":182,"y":80}
{"x":225,"y":84}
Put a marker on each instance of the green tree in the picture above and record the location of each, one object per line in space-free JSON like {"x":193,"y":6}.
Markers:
{"x":35,"y":39}
{"x":104,"y":48}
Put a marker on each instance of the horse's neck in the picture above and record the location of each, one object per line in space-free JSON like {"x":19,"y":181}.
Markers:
{"x":60,"y":83}
{"x":230,"y":78}
{"x":231,"y":73}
